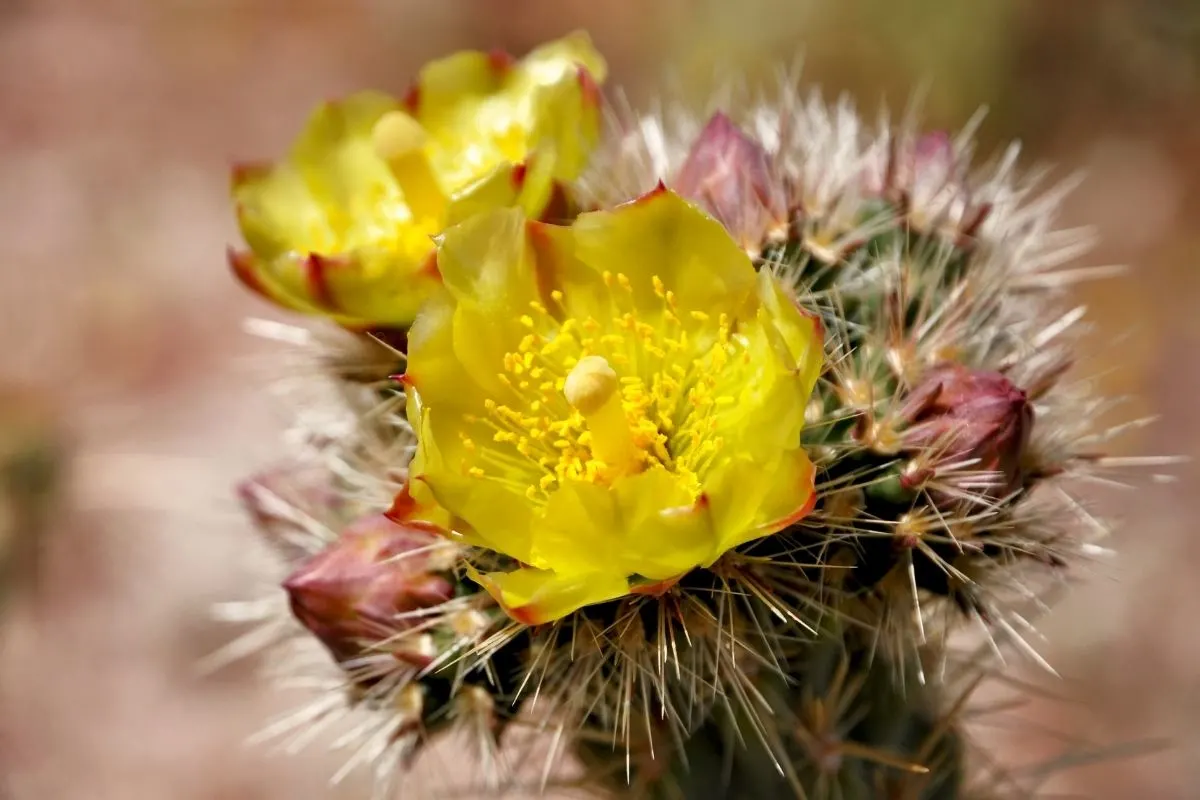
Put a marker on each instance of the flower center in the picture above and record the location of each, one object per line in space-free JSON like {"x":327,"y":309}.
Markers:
{"x":603,"y":395}
{"x":592,"y":389}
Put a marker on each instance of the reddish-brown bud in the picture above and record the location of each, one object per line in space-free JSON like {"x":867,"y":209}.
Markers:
{"x":352,"y":594}
{"x":729,"y":175}
{"x":961,"y":414}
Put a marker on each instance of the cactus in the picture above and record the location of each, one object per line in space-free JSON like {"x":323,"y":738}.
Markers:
{"x":699,"y":466}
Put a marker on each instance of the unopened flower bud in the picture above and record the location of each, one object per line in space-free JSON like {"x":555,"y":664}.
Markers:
{"x":929,"y":175}
{"x":290,"y":504}
{"x":352,"y":594}
{"x":729,"y":175}
{"x":962,"y":414}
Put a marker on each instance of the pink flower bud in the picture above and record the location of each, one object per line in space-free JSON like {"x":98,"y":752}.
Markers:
{"x":964,"y":414}
{"x":291,"y":504}
{"x":930,"y":177}
{"x":729,"y":175}
{"x":351,"y":594}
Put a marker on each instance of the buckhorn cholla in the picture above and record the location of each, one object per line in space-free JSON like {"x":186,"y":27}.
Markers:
{"x":690,"y":446}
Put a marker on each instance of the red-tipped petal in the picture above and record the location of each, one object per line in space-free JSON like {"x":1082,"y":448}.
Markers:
{"x":519,"y":172}
{"x":403,"y":507}
{"x":546,"y":264}
{"x":526,"y":615}
{"x":246,"y":171}
{"x":656,"y":589}
{"x":241,"y":262}
{"x":659,"y":189}
{"x":429,"y":268}
{"x":412,"y":98}
{"x":501,"y":61}
{"x":809,"y":485}
{"x":589,"y":87}
{"x":317,"y":272}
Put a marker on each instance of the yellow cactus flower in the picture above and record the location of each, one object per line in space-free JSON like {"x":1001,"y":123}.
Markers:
{"x":610,"y":404}
{"x":342,"y":227}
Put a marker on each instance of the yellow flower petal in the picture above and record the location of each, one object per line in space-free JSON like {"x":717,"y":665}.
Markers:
{"x":343,"y":227}
{"x":559,"y":59}
{"x":745,"y":508}
{"x":494,"y":514}
{"x":483,"y":110}
{"x":485,"y":263}
{"x":336,"y":157}
{"x":662,"y":235}
{"x":800,"y":331}
{"x":499,"y":188}
{"x":277,"y":212}
{"x":668,"y":528}
{"x":614,"y":403}
{"x":534,"y":596}
{"x":434,"y":373}
{"x":566,"y":124}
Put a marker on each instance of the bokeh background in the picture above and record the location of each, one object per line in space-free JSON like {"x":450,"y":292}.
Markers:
{"x":131,"y":399}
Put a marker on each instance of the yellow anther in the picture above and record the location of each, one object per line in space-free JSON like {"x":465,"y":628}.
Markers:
{"x":699,"y":316}
{"x":659,"y":288}
{"x":475,"y":472}
{"x":527,"y":320}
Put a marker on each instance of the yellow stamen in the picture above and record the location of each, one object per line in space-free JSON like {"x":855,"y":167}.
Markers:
{"x":593,"y":389}
{"x":399,"y":140}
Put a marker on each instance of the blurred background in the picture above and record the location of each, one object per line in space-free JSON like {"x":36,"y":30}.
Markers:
{"x":131,"y":399}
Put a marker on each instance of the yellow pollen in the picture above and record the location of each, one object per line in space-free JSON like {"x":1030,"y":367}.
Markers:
{"x":594,"y":398}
